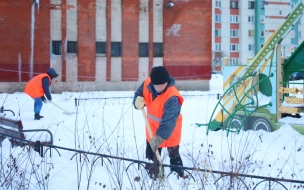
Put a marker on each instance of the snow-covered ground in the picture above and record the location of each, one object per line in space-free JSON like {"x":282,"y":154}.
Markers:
{"x":111,"y":126}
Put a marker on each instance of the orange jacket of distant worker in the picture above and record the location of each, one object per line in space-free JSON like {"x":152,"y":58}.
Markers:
{"x":34,"y":87}
{"x":155,"y":110}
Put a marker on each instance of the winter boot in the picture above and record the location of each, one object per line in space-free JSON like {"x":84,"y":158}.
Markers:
{"x":38,"y":117}
{"x":177,"y":162}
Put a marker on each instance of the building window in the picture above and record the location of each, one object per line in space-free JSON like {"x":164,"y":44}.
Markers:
{"x":234,"y":4}
{"x":234,"y":61}
{"x":217,"y":33}
{"x":217,"y":3}
{"x":218,"y":47}
{"x":250,"y":47}
{"x":234,"y":47}
{"x":262,"y":5}
{"x":101,"y":47}
{"x":250,"y":33}
{"x":72,"y":47}
{"x":234,"y":33}
{"x":250,"y":4}
{"x":56,"y":47}
{"x":143,"y":49}
{"x":262,"y":34}
{"x":218,"y":18}
{"x":158,"y":50}
{"x":116,"y":49}
{"x":262,"y":18}
{"x":234,"y":18}
{"x":251,"y":19}
{"x":299,"y":34}
{"x":280,"y":12}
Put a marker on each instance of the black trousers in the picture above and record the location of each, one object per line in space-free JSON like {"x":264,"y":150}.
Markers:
{"x":173,"y":152}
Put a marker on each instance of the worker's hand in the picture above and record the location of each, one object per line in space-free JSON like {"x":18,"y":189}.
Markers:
{"x":139,"y":102}
{"x":50,"y":101}
{"x":44,"y":101}
{"x":155,"y":142}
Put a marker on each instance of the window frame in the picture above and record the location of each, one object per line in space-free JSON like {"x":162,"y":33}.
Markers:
{"x":218,"y":18}
{"x":234,"y":33}
{"x":251,"y":19}
{"x":72,"y":47}
{"x":218,"y":47}
{"x":56,"y":47}
{"x":250,"y":47}
{"x":158,"y":49}
{"x":143,"y":49}
{"x":262,"y":33}
{"x":250,"y":4}
{"x":218,"y":4}
{"x":116,"y":49}
{"x":101,"y":48}
{"x":234,"y":5}
{"x":218,"y":32}
{"x":234,"y":61}
{"x":250,"y":33}
{"x":234,"y":47}
{"x":234,"y":18}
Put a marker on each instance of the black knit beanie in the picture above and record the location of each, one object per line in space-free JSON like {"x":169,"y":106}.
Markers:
{"x":159,"y":75}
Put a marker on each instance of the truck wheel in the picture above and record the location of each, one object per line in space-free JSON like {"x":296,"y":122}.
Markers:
{"x":236,"y":123}
{"x":262,"y":123}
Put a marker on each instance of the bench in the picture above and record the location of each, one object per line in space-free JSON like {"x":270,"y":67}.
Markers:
{"x":13,"y":129}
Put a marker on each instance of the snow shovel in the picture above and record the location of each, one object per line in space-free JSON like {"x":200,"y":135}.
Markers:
{"x":65,"y":112}
{"x":161,"y":174}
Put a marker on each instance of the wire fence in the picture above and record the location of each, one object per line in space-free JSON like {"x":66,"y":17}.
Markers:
{"x":42,"y":149}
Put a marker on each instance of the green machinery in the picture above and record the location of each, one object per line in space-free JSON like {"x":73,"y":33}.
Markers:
{"x":255,"y":94}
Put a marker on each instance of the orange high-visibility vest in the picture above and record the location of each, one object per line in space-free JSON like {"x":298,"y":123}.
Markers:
{"x":155,"y":110}
{"x":34,"y":87}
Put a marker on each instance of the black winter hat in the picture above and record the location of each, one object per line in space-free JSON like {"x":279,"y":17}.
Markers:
{"x":159,"y":75}
{"x":52,"y":73}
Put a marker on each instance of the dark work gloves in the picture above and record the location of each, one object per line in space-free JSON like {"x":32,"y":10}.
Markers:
{"x":43,"y":99}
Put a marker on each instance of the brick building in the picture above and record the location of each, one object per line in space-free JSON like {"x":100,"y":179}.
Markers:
{"x":105,"y":44}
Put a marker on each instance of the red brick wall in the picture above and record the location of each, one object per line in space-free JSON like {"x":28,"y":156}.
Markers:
{"x":130,"y":36}
{"x":15,"y":39}
{"x":86,"y":40}
{"x":42,"y":37}
{"x":109,"y":15}
{"x":187,"y":55}
{"x":63,"y":34}
{"x":15,"y":35}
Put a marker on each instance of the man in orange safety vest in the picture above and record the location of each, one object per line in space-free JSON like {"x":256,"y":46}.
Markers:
{"x":163,"y":102}
{"x":37,"y":87}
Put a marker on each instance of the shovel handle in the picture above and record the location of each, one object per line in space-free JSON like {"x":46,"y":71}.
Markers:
{"x":151,"y":134}
{"x":59,"y":107}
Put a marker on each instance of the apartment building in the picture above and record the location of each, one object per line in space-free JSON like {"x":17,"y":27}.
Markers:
{"x":240,"y":28}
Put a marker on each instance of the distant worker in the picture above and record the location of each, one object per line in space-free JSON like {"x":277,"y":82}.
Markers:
{"x":37,"y":87}
{"x":163,"y":102}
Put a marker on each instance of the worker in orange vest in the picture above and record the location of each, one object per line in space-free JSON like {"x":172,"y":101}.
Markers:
{"x":37,"y":87}
{"x":163,"y":102}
